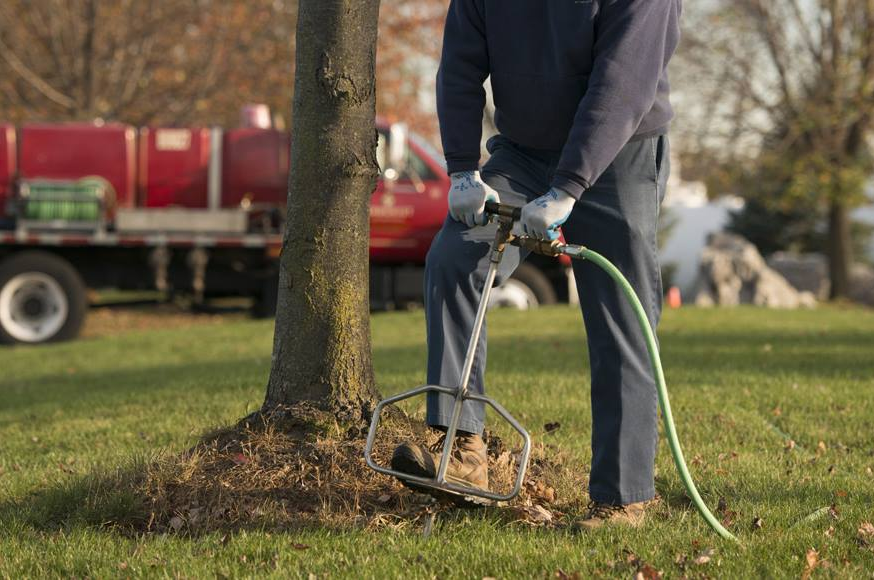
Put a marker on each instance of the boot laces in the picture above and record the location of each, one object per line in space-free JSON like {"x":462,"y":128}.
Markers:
{"x":437,"y":446}
{"x":603,"y":511}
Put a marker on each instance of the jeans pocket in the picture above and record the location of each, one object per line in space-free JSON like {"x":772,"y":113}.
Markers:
{"x":663,"y":163}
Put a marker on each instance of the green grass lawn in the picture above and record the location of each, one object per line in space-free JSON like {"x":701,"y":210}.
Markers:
{"x":742,"y":382}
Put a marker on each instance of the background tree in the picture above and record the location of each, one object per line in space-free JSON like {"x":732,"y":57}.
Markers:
{"x":410,"y":41}
{"x":180,"y":62}
{"x":321,"y":352}
{"x":784,"y":102}
{"x":143,"y":61}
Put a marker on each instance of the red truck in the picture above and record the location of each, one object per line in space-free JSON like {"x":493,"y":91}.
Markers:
{"x":198,"y":212}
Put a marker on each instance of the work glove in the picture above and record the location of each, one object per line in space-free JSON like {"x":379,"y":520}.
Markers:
{"x":542,"y":217}
{"x":468,"y":196}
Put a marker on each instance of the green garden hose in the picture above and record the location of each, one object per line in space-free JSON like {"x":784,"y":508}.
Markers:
{"x":656,"y":363}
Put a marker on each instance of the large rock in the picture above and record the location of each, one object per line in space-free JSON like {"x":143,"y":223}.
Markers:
{"x":862,"y":284}
{"x":733,"y":272}
{"x":806,"y":272}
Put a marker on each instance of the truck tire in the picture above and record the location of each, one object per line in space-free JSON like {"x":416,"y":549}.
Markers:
{"x":42,"y":299}
{"x":526,"y":289}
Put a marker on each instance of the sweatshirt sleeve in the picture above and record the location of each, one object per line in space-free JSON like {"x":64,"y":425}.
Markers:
{"x":461,"y":96}
{"x":635,"y":41}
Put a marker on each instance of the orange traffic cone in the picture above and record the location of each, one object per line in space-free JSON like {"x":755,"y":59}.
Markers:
{"x":674,"y":299}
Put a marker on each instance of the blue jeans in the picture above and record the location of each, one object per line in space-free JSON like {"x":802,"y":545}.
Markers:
{"x":617,"y":217}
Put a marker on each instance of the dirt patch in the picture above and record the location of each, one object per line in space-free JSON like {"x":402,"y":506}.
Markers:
{"x":116,"y":320}
{"x":312,"y":473}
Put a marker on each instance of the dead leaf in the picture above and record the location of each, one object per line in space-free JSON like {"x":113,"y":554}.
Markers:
{"x":194,"y":514}
{"x":540,"y":491}
{"x":834,"y":512}
{"x":727,"y":514}
{"x":820,"y":447}
{"x":811,"y":559}
{"x":503,"y":460}
{"x":865,"y":535}
{"x":789,"y":445}
{"x":647,"y":572}
{"x":704,"y":557}
{"x":829,"y":532}
{"x":562,"y":575}
{"x":240,"y":459}
{"x":550,"y":427}
{"x":535,"y":515}
{"x":176,"y":523}
{"x":384,"y":498}
{"x":758,"y":523}
{"x":297,"y":546}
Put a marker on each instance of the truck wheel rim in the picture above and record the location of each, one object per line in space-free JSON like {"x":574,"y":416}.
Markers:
{"x":513,"y":294}
{"x":33,"y":307}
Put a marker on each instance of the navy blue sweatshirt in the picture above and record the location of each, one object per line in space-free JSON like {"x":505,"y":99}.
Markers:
{"x":583,"y":77}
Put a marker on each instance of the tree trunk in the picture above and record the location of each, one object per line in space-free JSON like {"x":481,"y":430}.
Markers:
{"x":321,"y":350}
{"x":840,"y":250}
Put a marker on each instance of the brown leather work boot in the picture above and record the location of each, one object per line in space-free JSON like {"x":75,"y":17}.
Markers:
{"x":600,"y":514}
{"x":468,"y":465}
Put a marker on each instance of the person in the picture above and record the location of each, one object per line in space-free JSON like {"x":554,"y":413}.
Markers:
{"x":582,"y":109}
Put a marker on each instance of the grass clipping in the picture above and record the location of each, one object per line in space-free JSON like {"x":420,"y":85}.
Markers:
{"x":308,"y":472}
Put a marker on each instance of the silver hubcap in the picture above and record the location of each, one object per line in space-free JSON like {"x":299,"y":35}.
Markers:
{"x":513,"y":294}
{"x":33,"y":307}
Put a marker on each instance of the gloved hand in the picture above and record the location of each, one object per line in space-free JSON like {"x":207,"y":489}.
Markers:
{"x":468,"y":196}
{"x":542,"y":217}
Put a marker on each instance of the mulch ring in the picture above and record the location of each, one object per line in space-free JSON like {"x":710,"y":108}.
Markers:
{"x":264,"y":474}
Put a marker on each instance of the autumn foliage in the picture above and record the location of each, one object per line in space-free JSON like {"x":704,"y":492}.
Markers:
{"x":173,"y":62}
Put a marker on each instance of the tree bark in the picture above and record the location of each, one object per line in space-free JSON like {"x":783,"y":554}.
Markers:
{"x":840,"y":249}
{"x":321,"y":350}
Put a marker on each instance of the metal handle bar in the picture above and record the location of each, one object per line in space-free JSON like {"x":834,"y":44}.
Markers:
{"x":504,"y":210}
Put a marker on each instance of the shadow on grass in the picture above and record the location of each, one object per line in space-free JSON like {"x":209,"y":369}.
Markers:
{"x":819,"y":355}
{"x":119,"y":499}
{"x":83,"y":388}
{"x":102,"y":498}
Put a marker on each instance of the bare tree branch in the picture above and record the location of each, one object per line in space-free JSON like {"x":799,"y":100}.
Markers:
{"x":34,"y":79}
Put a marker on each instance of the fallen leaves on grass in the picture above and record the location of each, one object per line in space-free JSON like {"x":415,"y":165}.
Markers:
{"x":726,"y":515}
{"x":550,"y":427}
{"x":642,"y":570}
{"x":540,"y":491}
{"x":865,"y":536}
{"x":303,"y":470}
{"x":704,"y":557}
{"x":534,"y":515}
{"x":812,"y":561}
{"x":757,"y":524}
